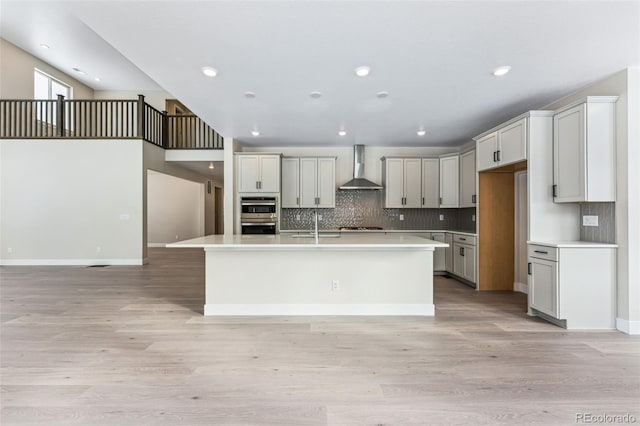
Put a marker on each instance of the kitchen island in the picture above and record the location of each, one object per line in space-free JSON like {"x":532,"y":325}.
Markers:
{"x":372,"y":274}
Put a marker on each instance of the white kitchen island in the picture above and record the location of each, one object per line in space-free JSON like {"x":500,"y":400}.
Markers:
{"x":370,"y":274}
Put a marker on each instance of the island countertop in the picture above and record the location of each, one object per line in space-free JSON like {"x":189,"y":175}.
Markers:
{"x":282,"y":241}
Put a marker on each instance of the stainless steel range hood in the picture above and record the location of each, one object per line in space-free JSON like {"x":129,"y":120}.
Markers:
{"x":358,"y":181}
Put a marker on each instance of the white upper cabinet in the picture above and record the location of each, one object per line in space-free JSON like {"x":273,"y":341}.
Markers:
{"x":449,"y":181}
{"x":290,"y":196}
{"x":431,"y":183}
{"x":402,"y":181}
{"x":308,"y":182}
{"x":468,"y":179}
{"x":584,"y":151}
{"x":258,"y":173}
{"x":504,"y":146}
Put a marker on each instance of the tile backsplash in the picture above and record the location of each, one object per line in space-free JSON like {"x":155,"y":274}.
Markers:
{"x":605,"y":232}
{"x":364,"y":208}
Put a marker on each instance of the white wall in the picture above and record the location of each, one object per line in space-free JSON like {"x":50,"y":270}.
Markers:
{"x":626,"y":85}
{"x":155,"y":98}
{"x":71,"y":202}
{"x":16,"y":74}
{"x":175,"y":209}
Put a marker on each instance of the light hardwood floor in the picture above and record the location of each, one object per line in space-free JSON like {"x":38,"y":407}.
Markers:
{"x":129,"y":346}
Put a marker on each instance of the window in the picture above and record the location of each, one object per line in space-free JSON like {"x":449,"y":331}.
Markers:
{"x":47,"y":87}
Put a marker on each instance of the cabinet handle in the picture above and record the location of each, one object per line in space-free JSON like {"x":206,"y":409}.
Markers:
{"x":440,"y":200}
{"x":298,"y":200}
{"x":494,"y":156}
{"x":462,"y":239}
{"x":257,"y":185}
{"x":498,"y":152}
{"x":462,"y":251}
{"x":555,"y":191}
{"x":541,"y":252}
{"x":473,"y":198}
{"x":423,"y":201}
{"x":529,"y":268}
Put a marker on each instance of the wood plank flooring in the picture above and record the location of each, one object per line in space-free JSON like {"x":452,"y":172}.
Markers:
{"x":129,"y":346}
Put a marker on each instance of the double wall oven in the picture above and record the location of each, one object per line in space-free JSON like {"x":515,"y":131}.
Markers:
{"x":259,"y":215}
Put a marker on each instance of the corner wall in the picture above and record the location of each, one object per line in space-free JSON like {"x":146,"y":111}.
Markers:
{"x":70,"y":202}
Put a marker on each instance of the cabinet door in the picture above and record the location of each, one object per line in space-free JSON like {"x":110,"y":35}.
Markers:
{"x":449,"y":181}
{"x":470,"y":263}
{"x":439,"y":253}
{"x":431,"y":183}
{"x":569,"y":155}
{"x":290,"y":197}
{"x":448,"y":253}
{"x":543,"y":285}
{"x":394,"y":182}
{"x":326,"y":182}
{"x":512,"y":146}
{"x":458,"y":260}
{"x":468,"y":179}
{"x":413,"y":182}
{"x":269,"y":173}
{"x":308,"y":182}
{"x":248,"y":173}
{"x":486,"y":148}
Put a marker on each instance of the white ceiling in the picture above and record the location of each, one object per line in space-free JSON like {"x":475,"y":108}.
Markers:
{"x":434,"y":58}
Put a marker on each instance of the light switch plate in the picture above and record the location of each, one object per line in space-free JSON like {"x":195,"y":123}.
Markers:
{"x":401,"y":217}
{"x":441,"y":217}
{"x":473,"y":218}
{"x":589,"y":220}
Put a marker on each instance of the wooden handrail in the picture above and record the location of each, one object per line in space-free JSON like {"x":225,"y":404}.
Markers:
{"x":103,"y":119}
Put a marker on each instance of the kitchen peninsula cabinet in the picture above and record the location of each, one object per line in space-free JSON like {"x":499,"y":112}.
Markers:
{"x":258,"y":173}
{"x":402,"y":182}
{"x":584,"y":151}
{"x":308,"y":182}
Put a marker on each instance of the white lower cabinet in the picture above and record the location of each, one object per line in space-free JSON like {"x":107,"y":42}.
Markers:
{"x":464,"y":257}
{"x":448,"y":253}
{"x":439,"y":255}
{"x":573,"y":285}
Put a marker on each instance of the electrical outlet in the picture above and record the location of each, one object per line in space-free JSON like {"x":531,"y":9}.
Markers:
{"x":441,"y":217}
{"x":319,"y":217}
{"x":401,"y":217}
{"x":9,"y":250}
{"x":297,"y":217}
{"x":589,"y":220}
{"x":335,"y":285}
{"x":473,"y":218}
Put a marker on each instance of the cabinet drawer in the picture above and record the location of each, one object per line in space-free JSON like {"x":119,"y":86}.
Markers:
{"x":543,"y":252}
{"x":464,"y":239}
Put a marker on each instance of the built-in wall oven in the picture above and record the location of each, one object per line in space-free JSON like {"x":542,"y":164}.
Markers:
{"x":259,"y":215}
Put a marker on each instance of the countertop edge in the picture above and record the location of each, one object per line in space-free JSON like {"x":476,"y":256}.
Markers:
{"x":573,"y":244}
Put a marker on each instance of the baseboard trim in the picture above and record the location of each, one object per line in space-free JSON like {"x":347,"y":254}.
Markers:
{"x":521,"y":287}
{"x":628,"y":327}
{"x":319,"y":309}
{"x":71,"y":262}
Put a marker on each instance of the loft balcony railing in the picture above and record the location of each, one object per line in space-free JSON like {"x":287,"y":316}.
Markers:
{"x":104,"y":119}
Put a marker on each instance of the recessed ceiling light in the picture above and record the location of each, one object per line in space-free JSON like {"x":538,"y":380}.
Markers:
{"x":44,"y":46}
{"x":421,"y":132}
{"x":249,"y":95}
{"x":342,"y":133}
{"x":382,"y":94}
{"x":97,"y":79}
{"x":255,"y":133}
{"x":209,"y":72}
{"x":211,"y":166}
{"x":363,"y":71}
{"x":500,"y":71}
{"x":315,"y":95}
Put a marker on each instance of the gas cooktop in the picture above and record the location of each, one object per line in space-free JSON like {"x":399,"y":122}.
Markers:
{"x":360,"y":228}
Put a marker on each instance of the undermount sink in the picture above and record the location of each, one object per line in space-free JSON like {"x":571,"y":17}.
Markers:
{"x":313,"y":236}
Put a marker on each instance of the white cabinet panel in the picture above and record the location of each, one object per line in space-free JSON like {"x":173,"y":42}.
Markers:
{"x":512,"y":141}
{"x":468,"y":179}
{"x":449,"y":187}
{"x":258,"y":173}
{"x":486,"y":151}
{"x":269,"y":173}
{"x":469,"y":254}
{"x":308,"y":179}
{"x":248,"y":173}
{"x":569,"y":156}
{"x":448,"y":258}
{"x":290,"y":196}
{"x":431,"y":183}
{"x":543,"y":286}
{"x":458,"y":260}
{"x":439,"y":261}
{"x":412,"y":183}
{"x":326,"y":182}
{"x":393,"y":182}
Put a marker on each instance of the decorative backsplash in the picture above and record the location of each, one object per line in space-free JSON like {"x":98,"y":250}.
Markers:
{"x":605,"y":232}
{"x":364,"y":208}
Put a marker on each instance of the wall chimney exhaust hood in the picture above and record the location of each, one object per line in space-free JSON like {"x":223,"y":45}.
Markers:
{"x":358,"y":181}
